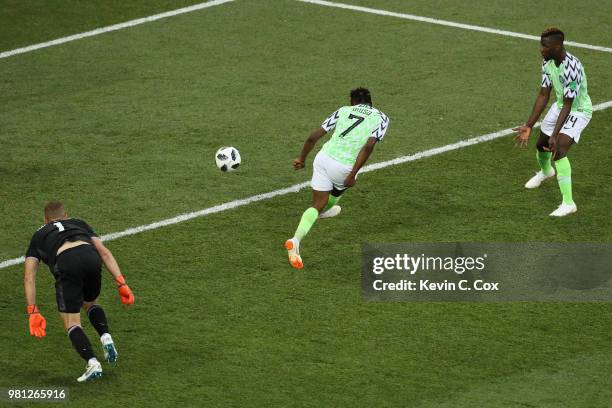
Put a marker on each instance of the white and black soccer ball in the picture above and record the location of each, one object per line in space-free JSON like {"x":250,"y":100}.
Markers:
{"x":227,"y":158}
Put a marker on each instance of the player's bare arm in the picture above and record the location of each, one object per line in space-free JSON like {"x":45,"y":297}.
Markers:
{"x":109,"y":261}
{"x":362,"y":158}
{"x":29,"y":280}
{"x":309,"y":144}
{"x":37,"y":322}
{"x":524,"y":131}
{"x":107,"y":257}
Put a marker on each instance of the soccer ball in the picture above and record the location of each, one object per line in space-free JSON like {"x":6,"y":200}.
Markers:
{"x":227,"y":158}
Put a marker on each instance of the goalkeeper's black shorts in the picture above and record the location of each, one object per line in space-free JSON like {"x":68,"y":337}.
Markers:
{"x":78,"y":277}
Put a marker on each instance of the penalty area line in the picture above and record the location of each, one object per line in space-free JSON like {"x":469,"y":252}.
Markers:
{"x":298,"y":187}
{"x":113,"y":27}
{"x":446,"y":23}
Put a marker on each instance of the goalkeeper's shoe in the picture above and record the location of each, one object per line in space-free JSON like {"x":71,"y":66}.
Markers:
{"x":110,"y":352}
{"x":293,"y":250}
{"x":538,"y":179}
{"x":332,"y":212}
{"x":564,"y":209}
{"x":92,"y":371}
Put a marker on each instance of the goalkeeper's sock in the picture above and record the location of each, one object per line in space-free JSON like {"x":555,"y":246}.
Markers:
{"x":80,"y":342}
{"x":308,"y":219}
{"x":544,"y":161}
{"x":97,"y":317}
{"x":564,"y":177}
{"x":330,"y":203}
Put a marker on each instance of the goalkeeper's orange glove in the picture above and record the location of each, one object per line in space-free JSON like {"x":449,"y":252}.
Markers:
{"x":126,"y":295}
{"x":38,"y":324}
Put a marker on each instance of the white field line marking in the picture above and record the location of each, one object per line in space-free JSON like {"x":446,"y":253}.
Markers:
{"x":114,"y":27}
{"x":297,"y":187}
{"x":446,"y":23}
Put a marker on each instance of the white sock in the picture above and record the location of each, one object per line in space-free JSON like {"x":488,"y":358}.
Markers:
{"x":106,"y":338}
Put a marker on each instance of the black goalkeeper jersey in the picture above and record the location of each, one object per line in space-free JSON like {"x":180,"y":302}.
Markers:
{"x":47,"y":240}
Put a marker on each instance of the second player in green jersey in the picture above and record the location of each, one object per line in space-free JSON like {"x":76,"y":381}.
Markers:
{"x":567,"y":117}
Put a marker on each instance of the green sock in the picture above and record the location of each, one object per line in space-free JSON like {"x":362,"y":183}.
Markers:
{"x":308,"y":219}
{"x":544,"y":160}
{"x":564,"y":177}
{"x":330,"y":203}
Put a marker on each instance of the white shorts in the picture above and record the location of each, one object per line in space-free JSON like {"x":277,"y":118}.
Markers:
{"x":573,"y":126}
{"x":328,"y":173}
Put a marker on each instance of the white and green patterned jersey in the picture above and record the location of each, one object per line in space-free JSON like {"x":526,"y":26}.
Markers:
{"x":354,"y":125}
{"x":568,"y":80}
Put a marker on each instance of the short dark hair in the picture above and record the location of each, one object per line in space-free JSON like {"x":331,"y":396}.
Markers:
{"x":555,"y":33}
{"x":54,"y":210}
{"x":361,"y":95}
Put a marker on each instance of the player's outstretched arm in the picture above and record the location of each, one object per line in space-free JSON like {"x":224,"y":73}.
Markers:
{"x":127,"y":297}
{"x":362,"y":158}
{"x":38,"y":324}
{"x":524,"y":131}
{"x":309,"y":144}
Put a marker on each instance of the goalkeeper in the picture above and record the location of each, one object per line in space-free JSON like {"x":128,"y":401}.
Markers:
{"x":74,"y":254}
{"x":357,"y":129}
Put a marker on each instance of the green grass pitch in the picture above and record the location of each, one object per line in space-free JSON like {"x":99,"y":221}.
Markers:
{"x":123,"y":126}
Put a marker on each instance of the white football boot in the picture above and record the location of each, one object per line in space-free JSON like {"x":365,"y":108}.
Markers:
{"x":564,"y":209}
{"x":110,"y":352}
{"x":539,"y":177}
{"x":92,"y":371}
{"x":293,"y":250}
{"x":332,"y":212}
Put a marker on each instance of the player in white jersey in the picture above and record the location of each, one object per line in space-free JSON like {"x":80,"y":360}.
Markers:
{"x":358,"y":128}
{"x":567,"y":118}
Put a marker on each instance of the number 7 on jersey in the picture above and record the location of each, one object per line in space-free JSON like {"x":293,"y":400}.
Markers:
{"x":354,"y":125}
